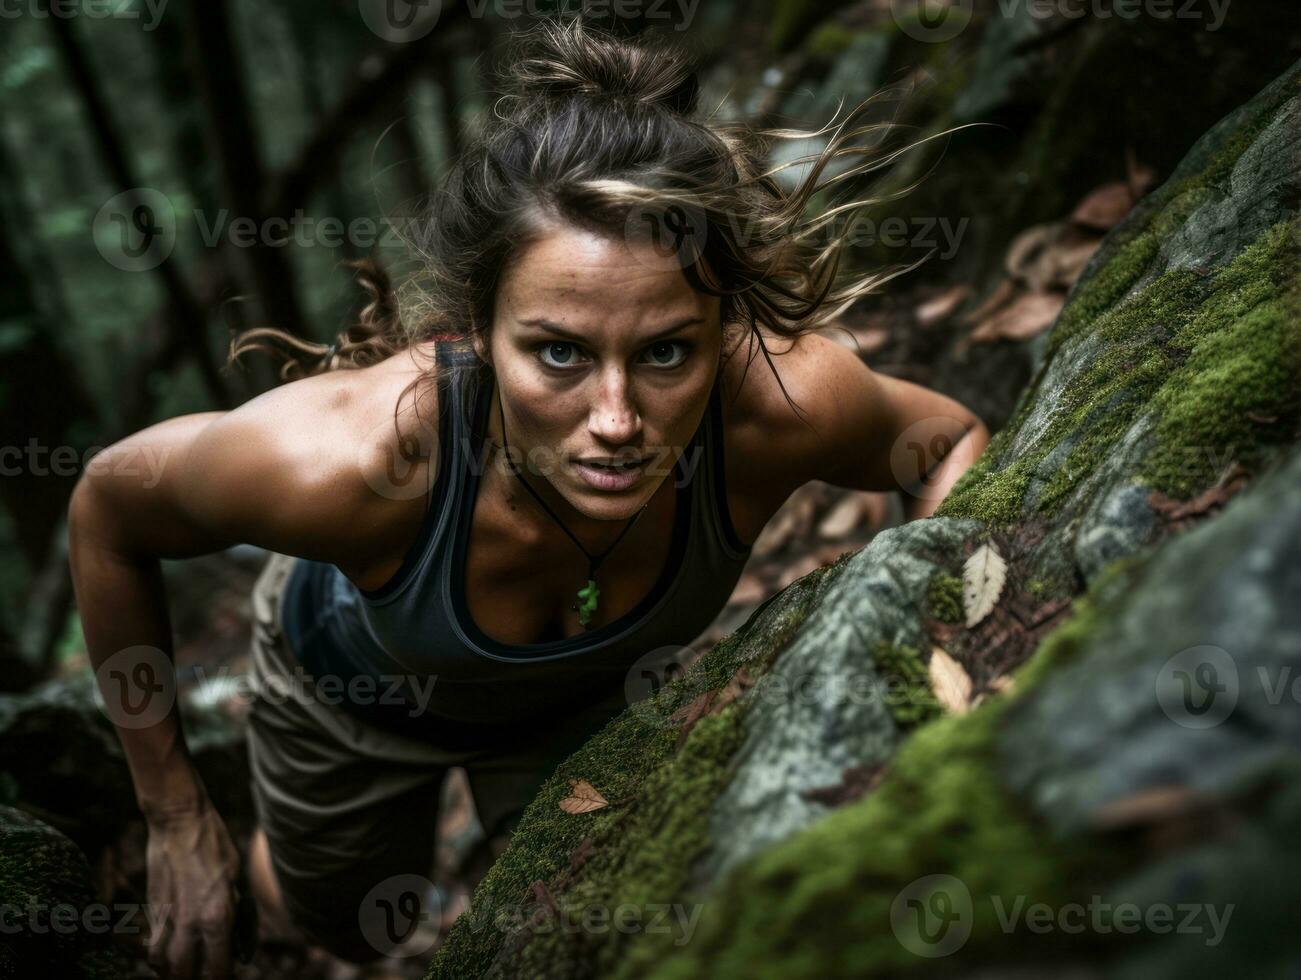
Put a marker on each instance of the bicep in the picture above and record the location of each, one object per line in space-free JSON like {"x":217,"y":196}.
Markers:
{"x":197,"y":484}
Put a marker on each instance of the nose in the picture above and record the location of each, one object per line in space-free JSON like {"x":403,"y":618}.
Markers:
{"x":614,"y":418}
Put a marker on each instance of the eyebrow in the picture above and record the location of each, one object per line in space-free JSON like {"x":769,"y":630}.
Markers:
{"x":539,"y":323}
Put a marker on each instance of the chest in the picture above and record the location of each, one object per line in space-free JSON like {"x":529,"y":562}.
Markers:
{"x":521,"y":585}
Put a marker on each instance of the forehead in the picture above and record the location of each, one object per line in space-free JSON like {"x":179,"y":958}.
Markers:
{"x":594,"y":282}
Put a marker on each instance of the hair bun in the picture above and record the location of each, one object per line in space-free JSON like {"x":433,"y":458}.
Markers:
{"x":567,"y":59}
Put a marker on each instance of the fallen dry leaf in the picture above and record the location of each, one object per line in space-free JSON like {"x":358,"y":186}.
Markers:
{"x":1024,"y":260}
{"x":1230,"y":482}
{"x":692,"y":712}
{"x":1106,"y":206}
{"x":942,"y":306}
{"x":1003,"y":292}
{"x":1026,"y":317}
{"x":983,"y":575}
{"x":583,"y":798}
{"x":1152,"y":805}
{"x":950,"y":683}
{"x":1051,"y":256}
{"x":1003,"y":683}
{"x":1103,"y":208}
{"x":855,"y":782}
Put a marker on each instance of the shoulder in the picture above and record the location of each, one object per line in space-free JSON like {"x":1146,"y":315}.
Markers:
{"x":334,"y":464}
{"x":848,"y":425}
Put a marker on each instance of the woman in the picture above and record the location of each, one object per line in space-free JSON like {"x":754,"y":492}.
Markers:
{"x":575,"y":484}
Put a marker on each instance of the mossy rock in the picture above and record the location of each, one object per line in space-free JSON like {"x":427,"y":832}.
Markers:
{"x":53,"y":927}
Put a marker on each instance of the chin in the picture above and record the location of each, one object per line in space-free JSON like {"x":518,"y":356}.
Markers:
{"x":604,"y":505}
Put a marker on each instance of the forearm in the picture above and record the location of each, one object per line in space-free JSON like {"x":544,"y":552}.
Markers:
{"x":122,"y":603}
{"x":927,"y":497}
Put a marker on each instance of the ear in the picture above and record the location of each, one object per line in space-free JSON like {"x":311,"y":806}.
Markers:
{"x":481,"y":348}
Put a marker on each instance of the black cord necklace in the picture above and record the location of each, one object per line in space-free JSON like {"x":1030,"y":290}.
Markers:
{"x":589,"y":593}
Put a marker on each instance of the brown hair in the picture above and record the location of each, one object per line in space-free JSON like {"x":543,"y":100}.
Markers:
{"x":602,"y":132}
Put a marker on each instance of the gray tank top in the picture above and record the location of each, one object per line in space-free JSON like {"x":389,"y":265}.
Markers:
{"x":416,"y":629}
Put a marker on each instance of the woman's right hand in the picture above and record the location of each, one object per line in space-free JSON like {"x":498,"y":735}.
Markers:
{"x":193,"y":890}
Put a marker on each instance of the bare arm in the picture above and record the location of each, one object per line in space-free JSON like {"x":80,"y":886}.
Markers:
{"x":860,"y":429}
{"x":284,"y":472}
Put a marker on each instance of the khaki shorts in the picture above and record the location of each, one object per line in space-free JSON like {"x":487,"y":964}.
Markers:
{"x":346,"y":805}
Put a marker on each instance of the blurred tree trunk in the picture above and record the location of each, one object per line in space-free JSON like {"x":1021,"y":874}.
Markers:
{"x":194,"y":162}
{"x":305,"y":25}
{"x":186,"y":314}
{"x":42,"y":401}
{"x":234,"y":144}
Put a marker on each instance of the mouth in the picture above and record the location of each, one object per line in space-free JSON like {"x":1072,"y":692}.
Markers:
{"x":606,"y":474}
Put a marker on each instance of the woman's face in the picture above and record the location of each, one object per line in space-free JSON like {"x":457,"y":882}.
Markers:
{"x":601,"y":350}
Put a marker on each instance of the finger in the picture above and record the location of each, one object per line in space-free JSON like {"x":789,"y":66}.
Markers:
{"x":216,"y":952}
{"x":181,"y":953}
{"x":157,"y":947}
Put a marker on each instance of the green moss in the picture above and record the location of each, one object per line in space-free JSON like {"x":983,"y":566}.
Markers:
{"x":1205,"y":354}
{"x":829,"y":40}
{"x":642,"y":847}
{"x":790,"y":20}
{"x":819,"y":904}
{"x":944,"y":598}
{"x":908,"y":689}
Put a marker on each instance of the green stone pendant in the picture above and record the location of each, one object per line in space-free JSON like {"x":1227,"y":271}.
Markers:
{"x":588,"y":595}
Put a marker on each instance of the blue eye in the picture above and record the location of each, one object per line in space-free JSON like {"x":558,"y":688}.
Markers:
{"x":665,"y":348}
{"x":551,"y":347}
